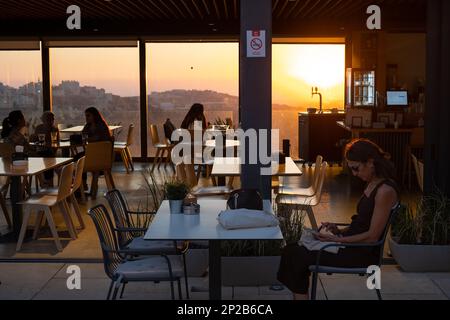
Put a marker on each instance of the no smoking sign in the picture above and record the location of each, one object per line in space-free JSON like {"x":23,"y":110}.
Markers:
{"x":256,"y":43}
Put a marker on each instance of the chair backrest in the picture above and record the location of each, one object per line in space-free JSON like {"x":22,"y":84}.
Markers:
{"x":65,"y":181}
{"x":78,"y":176}
{"x":99,"y":156}
{"x":130,"y":136}
{"x":107,"y":237}
{"x":419,"y":172}
{"x":317,"y":167}
{"x":186,"y":173}
{"x":119,"y":209}
{"x":392,"y":215}
{"x":154,"y":134}
{"x":321,"y":179}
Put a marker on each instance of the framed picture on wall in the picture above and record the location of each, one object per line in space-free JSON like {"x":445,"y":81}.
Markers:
{"x":357,"y":122}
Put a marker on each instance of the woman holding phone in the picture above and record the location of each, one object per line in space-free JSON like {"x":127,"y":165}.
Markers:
{"x":371,"y":164}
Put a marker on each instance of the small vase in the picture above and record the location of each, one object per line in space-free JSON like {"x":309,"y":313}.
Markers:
{"x":175,"y":206}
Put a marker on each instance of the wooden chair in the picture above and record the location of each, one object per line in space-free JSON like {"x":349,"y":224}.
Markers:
{"x":5,"y":151}
{"x":309,"y":191}
{"x":75,"y":186}
{"x":186,"y":172}
{"x":122,"y":148}
{"x":99,"y":157}
{"x":302,"y":202}
{"x":45,"y":204}
{"x":160,"y":146}
{"x":418,"y":168}
{"x":415,"y":146}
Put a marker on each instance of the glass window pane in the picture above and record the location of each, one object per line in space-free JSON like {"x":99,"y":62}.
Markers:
{"x":20,"y":84}
{"x":105,"y":78}
{"x":296,"y":68}
{"x":180,"y":74}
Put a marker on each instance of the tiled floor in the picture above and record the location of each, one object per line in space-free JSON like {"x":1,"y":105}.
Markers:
{"x":48,"y":280}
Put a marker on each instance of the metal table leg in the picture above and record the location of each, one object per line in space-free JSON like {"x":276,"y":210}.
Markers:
{"x":215,"y":272}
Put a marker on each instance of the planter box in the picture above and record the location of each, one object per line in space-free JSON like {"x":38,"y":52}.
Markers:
{"x":249,"y":271}
{"x":421,"y":258}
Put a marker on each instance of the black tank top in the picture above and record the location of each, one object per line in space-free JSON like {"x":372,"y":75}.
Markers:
{"x":366,"y":205}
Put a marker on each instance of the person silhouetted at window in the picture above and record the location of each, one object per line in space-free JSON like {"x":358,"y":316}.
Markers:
{"x":194,"y":114}
{"x":96,"y":127}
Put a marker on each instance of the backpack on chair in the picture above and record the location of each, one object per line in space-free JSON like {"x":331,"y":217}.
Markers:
{"x":245,"y":199}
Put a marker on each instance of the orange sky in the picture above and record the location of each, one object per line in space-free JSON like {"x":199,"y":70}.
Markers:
{"x":202,"y":66}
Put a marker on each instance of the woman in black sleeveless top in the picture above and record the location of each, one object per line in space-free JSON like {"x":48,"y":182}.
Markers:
{"x":368,"y":162}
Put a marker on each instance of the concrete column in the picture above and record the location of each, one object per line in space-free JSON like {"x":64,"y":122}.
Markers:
{"x":255,"y":86}
{"x":437,"y":113}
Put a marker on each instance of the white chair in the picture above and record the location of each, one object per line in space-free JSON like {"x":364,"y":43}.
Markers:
{"x":123,"y":149}
{"x":45,"y":204}
{"x":306,"y":202}
{"x":418,"y":167}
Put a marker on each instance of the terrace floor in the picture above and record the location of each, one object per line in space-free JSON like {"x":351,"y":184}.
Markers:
{"x":47,"y":279}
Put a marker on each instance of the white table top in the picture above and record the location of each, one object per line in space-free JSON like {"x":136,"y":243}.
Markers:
{"x":205,"y":226}
{"x":231,"y":167}
{"x":77,"y":129}
{"x":33,"y":167}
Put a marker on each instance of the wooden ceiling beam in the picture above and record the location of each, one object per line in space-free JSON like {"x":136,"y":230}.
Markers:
{"x":183,"y":14}
{"x":300,"y":10}
{"x":280,"y":12}
{"x":197,"y":8}
{"x":149,"y":10}
{"x":216,"y":7}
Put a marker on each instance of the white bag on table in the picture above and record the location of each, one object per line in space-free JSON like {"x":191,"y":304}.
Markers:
{"x":246,"y":219}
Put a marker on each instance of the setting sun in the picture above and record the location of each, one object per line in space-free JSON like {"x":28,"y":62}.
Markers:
{"x":318,"y":65}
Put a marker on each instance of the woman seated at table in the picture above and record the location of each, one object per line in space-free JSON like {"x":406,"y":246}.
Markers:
{"x":96,"y":127}
{"x":97,"y":130}
{"x":369,"y":163}
{"x":46,"y":128}
{"x":15,"y":131}
{"x":194,"y":114}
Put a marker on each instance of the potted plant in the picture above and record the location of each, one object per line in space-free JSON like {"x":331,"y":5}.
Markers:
{"x":175,"y":192}
{"x":420,"y":239}
{"x":255,"y":263}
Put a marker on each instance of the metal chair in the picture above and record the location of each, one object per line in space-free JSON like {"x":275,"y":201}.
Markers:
{"x":123,"y":149}
{"x":303,"y":202}
{"x":317,"y":268}
{"x":120,"y":270}
{"x":131,"y":227}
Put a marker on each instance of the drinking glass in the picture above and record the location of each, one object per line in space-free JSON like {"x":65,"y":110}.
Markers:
{"x":54,"y":136}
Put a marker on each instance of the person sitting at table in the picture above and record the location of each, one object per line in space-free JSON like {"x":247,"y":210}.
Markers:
{"x":371,"y":164}
{"x":15,"y":130}
{"x":196,"y":113}
{"x":97,"y":130}
{"x":96,"y":127}
{"x":46,"y":128}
